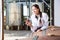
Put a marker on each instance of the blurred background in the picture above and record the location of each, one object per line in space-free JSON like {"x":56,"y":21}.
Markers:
{"x":16,"y":11}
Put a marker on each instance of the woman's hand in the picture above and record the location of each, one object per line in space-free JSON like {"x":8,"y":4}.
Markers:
{"x":39,"y":30}
{"x":28,"y":23}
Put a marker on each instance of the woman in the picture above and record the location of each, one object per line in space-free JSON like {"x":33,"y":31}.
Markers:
{"x":38,"y":21}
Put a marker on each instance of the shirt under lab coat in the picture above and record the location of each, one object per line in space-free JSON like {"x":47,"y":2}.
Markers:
{"x":35,"y":22}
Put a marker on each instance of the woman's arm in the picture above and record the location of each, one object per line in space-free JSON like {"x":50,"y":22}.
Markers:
{"x":45,"y":24}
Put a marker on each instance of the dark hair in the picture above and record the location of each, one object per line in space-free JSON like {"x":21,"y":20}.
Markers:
{"x":37,"y":6}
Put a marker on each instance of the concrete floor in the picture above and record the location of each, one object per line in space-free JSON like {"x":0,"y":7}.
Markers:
{"x":14,"y":35}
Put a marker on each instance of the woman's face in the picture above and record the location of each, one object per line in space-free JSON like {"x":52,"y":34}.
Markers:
{"x":35,"y":10}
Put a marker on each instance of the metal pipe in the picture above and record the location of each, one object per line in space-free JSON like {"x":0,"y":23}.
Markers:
{"x":46,"y":3}
{"x":36,"y":1}
{"x":27,"y":14}
{"x":50,"y":14}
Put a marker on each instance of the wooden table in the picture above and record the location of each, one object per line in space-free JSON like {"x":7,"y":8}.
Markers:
{"x":49,"y":38}
{"x":52,"y":33}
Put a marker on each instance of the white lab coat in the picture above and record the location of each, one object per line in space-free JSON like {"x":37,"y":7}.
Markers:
{"x":35,"y":22}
